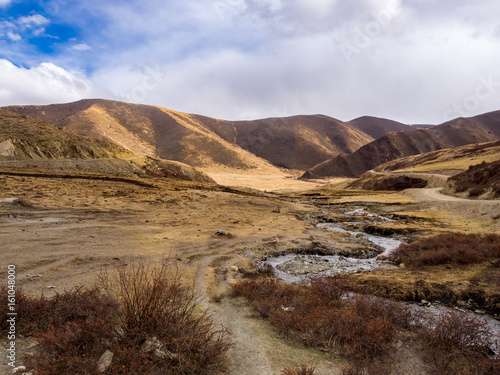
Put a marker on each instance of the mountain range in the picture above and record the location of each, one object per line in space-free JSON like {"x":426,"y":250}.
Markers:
{"x":297,"y":142}
{"x":320,"y":145}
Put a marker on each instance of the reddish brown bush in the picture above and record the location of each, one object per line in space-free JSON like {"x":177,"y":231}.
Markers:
{"x":148,"y":304}
{"x":302,"y":370}
{"x":459,"y":345}
{"x":361,"y":328}
{"x":449,"y":248}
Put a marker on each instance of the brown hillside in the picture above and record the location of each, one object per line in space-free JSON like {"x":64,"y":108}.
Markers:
{"x":482,"y":180}
{"x":458,"y":132}
{"x":147,"y":130}
{"x":451,"y":160}
{"x":28,"y":143}
{"x":22,"y":138}
{"x":378,"y":127}
{"x":297,"y":142}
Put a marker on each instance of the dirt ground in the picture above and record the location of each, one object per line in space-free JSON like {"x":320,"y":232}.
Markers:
{"x":62,"y":232}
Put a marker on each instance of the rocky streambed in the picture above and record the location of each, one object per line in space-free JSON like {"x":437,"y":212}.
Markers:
{"x":297,"y":267}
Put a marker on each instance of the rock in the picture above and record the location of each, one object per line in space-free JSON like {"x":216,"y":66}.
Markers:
{"x":18,"y":369}
{"x":382,"y":258}
{"x":105,"y":361}
{"x":220,"y":233}
{"x":402,"y":265}
{"x":165,"y":354}
{"x":234,"y":268}
{"x":151,"y":344}
{"x":399,"y":344}
{"x":481,"y":312}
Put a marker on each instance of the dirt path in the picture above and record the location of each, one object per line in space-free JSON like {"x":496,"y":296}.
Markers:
{"x":480,"y":215}
{"x":248,"y":355}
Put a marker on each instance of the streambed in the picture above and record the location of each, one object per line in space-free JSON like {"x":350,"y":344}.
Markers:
{"x":294,"y":268}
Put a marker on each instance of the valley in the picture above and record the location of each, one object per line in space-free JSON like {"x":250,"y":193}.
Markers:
{"x":72,"y":204}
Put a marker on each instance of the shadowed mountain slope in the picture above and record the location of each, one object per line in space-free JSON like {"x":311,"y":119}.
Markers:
{"x":458,"y":132}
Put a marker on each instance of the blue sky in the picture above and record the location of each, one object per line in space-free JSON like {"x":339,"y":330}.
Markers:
{"x":415,"y":61}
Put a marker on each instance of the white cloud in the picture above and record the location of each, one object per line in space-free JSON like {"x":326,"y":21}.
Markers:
{"x":13,"y":36}
{"x":4,"y":3}
{"x":82,"y":47}
{"x":43,"y":84}
{"x":33,"y":20}
{"x":239,"y":59}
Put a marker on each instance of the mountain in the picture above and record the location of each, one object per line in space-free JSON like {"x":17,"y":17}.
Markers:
{"x":458,"y":132}
{"x":296,"y":142}
{"x":378,"y":127}
{"x":29,"y":143}
{"x":22,"y":138}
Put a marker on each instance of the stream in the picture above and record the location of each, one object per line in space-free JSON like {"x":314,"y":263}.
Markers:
{"x":295,"y":268}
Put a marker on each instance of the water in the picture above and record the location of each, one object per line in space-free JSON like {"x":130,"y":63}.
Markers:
{"x":295,"y":268}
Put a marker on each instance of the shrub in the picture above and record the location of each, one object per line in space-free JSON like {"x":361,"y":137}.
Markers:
{"x":449,"y":248}
{"x":459,"y":343}
{"x":361,"y":328}
{"x":133,"y":307}
{"x":302,"y":370}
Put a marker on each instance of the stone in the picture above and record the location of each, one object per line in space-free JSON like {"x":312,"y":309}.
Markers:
{"x":105,"y":361}
{"x":382,"y":258}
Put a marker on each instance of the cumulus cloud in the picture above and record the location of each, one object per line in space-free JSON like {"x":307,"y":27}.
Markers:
{"x":4,"y":3}
{"x":43,"y":84}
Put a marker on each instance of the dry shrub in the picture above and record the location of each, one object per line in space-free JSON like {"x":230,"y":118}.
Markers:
{"x":448,"y":248}
{"x":132,"y":305}
{"x":458,"y":344}
{"x":302,"y":370}
{"x":361,"y":328}
{"x":265,"y":270}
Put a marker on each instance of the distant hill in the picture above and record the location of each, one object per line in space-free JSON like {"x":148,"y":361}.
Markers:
{"x":297,"y":142}
{"x":378,"y":127}
{"x":25,"y":142}
{"x":458,"y":132}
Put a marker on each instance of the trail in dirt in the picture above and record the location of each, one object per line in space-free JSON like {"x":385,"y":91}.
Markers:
{"x":477,"y":215}
{"x":436,"y":194}
{"x":248,"y":354}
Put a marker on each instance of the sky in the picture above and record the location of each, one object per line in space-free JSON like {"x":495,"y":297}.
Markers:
{"x":413,"y":61}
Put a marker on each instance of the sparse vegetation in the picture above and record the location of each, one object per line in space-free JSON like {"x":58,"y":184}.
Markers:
{"x":394,"y":183}
{"x":146,"y":316}
{"x":362,"y":327}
